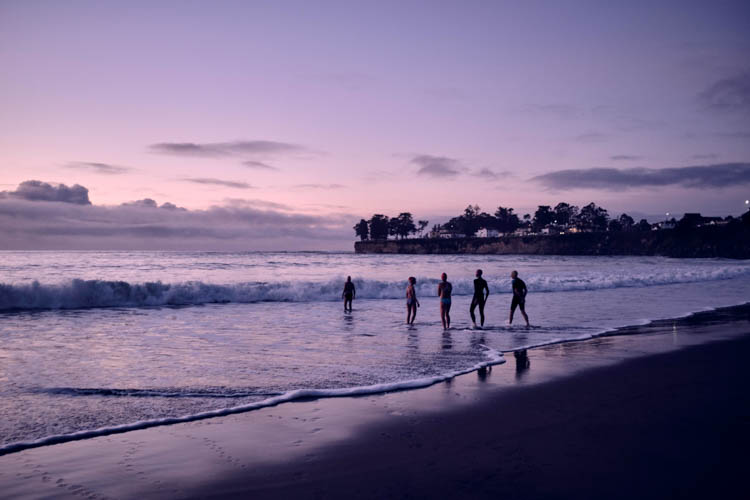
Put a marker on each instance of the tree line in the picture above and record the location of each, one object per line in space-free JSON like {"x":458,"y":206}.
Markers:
{"x":590,"y":218}
{"x":380,"y":226}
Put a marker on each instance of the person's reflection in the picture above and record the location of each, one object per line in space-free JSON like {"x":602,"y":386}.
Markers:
{"x":348,"y":323}
{"x":477,"y":341}
{"x":522,"y":362}
{"x":447,"y":340}
{"x":484,"y":372}
{"x":412,"y":347}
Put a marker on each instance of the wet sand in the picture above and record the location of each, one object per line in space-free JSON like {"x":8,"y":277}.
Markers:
{"x":665,"y":413}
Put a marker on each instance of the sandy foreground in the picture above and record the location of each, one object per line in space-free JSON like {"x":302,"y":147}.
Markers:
{"x":661,"y":414}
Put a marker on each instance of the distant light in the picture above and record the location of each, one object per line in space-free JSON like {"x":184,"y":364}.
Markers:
{"x":747,"y":202}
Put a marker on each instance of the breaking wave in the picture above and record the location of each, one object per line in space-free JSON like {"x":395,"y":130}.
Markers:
{"x":84,"y":294}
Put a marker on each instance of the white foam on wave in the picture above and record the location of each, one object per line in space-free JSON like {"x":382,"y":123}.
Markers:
{"x":148,"y":393}
{"x":493,"y":358}
{"x":83,"y":294}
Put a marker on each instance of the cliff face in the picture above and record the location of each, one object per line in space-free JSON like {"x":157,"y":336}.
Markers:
{"x":730,"y":241}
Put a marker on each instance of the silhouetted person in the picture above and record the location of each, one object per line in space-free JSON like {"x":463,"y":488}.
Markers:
{"x":348,"y":294}
{"x":479,"y":299}
{"x":519,"y":297}
{"x":444,"y":292}
{"x":411,"y":301}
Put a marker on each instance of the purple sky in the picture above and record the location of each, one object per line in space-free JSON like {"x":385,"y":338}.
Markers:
{"x":301,"y":117}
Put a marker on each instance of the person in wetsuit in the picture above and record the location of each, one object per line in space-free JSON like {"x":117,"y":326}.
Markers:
{"x":479,"y":299}
{"x":519,"y":297}
{"x":348,"y":294}
{"x":411,"y":301}
{"x":444,"y":292}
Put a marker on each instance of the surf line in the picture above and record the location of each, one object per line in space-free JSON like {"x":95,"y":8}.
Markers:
{"x":494,"y":358}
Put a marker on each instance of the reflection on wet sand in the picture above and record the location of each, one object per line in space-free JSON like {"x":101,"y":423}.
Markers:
{"x":447,"y":340}
{"x":522,"y":363}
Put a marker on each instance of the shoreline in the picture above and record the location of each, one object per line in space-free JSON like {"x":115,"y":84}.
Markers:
{"x":276,"y":444}
{"x":494,"y":358}
{"x":611,"y":432}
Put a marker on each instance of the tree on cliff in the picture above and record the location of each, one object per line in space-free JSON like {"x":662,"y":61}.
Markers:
{"x":627,"y":222}
{"x":421,"y":225}
{"x":361,"y":229}
{"x":379,"y":227}
{"x":592,"y":218}
{"x":543,"y":217}
{"x":402,"y":226}
{"x":565,"y":214}
{"x":505,"y":220}
{"x":470,"y":221}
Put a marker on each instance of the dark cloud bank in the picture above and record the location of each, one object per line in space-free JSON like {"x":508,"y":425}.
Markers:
{"x":699,"y":177}
{"x":38,"y":215}
{"x":43,"y":191}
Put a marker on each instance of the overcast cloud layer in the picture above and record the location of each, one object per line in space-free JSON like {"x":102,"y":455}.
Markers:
{"x":39,"y":215}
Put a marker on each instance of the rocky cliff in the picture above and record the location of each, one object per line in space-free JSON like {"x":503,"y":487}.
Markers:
{"x":730,"y":241}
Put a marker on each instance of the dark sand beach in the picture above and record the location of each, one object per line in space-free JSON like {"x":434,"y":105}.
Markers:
{"x":659,"y":411}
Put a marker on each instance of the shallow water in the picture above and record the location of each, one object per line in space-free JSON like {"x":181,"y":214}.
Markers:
{"x":98,"y":339}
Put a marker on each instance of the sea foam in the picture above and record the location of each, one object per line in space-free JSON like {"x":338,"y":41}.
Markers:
{"x":493,"y":358}
{"x":83,"y":294}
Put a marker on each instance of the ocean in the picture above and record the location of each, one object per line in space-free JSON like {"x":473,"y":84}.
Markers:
{"x":99,"y":342}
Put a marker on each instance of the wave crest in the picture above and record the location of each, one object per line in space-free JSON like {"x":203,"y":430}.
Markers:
{"x":84,"y":294}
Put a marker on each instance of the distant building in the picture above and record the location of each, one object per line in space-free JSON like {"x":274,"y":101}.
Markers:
{"x":486,"y":232}
{"x":697,"y":220}
{"x":449,"y":234}
{"x":713,"y":221}
{"x":691,"y":220}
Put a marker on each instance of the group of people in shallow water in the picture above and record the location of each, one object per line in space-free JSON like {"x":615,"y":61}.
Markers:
{"x":445,"y":292}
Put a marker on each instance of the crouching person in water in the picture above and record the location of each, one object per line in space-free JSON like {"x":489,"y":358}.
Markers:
{"x":444,"y":292}
{"x":519,"y":297}
{"x":348,"y":294}
{"x":411,"y":301}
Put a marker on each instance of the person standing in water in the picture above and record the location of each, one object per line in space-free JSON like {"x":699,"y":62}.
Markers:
{"x":519,"y":297}
{"x":411,"y":301}
{"x":348,"y":294}
{"x":479,"y":299}
{"x":444,"y":292}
